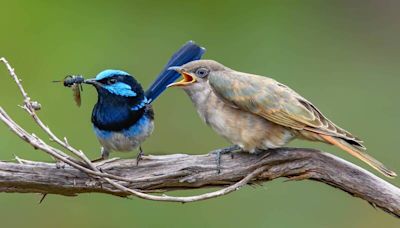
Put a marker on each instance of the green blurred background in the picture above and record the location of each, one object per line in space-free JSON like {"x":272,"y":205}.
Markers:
{"x":341,"y":55}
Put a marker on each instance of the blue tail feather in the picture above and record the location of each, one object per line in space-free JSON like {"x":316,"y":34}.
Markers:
{"x":187,"y":53}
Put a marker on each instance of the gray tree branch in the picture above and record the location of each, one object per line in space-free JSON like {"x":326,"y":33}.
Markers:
{"x":180,"y":171}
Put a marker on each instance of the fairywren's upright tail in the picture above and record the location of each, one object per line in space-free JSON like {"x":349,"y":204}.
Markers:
{"x":189,"y":52}
{"x":123,"y":117}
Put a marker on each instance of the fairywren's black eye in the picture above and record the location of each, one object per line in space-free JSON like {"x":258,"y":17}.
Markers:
{"x":111,"y":81}
{"x":202,"y":72}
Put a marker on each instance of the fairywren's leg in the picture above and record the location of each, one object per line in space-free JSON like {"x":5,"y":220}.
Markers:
{"x":226,"y":150}
{"x":139,"y":156}
{"x":104,"y":155}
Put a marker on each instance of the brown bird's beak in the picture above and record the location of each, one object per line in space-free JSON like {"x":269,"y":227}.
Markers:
{"x":187,"y":78}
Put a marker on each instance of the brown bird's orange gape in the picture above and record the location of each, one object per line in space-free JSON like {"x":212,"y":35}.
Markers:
{"x":255,"y":112}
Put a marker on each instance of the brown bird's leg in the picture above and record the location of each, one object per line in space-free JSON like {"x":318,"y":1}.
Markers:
{"x":222,"y":151}
{"x":139,"y":156}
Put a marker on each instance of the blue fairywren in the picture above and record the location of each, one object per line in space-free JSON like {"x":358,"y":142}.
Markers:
{"x":123,"y":116}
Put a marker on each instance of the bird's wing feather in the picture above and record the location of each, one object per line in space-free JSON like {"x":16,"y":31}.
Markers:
{"x":273,"y":101}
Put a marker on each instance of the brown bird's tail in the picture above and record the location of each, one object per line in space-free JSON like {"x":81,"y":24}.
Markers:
{"x":342,"y":144}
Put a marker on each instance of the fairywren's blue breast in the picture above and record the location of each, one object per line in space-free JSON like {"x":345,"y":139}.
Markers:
{"x":122,"y":117}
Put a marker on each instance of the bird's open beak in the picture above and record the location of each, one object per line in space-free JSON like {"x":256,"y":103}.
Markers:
{"x":187,"y":78}
{"x":91,"y":81}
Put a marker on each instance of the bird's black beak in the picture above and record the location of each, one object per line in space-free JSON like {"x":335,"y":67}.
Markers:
{"x":91,"y":81}
{"x":187,"y":77}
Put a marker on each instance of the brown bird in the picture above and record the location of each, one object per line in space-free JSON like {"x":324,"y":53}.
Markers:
{"x":258,"y":113}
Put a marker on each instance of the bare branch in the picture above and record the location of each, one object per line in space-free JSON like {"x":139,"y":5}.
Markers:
{"x":178,"y":171}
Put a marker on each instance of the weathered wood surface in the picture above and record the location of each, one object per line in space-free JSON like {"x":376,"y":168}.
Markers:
{"x":180,"y":171}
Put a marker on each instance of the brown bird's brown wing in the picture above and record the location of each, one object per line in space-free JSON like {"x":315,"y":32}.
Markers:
{"x":280,"y":104}
{"x":275,"y":102}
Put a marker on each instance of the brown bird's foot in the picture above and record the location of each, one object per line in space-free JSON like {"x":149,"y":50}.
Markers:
{"x":226,"y":150}
{"x":139,"y":156}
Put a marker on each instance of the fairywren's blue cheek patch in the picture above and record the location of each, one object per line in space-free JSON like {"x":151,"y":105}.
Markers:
{"x":120,"y":89}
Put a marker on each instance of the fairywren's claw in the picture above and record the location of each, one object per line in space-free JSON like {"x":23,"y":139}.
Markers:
{"x":139,"y":156}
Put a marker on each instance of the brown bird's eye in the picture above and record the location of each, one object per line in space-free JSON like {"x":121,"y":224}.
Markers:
{"x":202,"y":72}
{"x":111,"y":81}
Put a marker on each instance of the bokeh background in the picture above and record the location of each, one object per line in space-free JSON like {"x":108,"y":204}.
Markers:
{"x":341,"y":55}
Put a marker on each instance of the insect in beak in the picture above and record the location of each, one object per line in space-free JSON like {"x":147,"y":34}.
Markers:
{"x":75,"y":83}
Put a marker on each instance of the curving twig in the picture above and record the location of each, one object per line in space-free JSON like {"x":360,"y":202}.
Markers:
{"x":165,"y":173}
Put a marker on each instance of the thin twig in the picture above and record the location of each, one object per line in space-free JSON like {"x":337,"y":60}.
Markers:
{"x":31,"y":109}
{"x":189,"y":199}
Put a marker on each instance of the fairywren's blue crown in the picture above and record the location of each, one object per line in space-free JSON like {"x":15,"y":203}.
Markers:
{"x":110,"y":73}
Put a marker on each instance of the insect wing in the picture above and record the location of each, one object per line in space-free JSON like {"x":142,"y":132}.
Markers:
{"x":76,"y":92}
